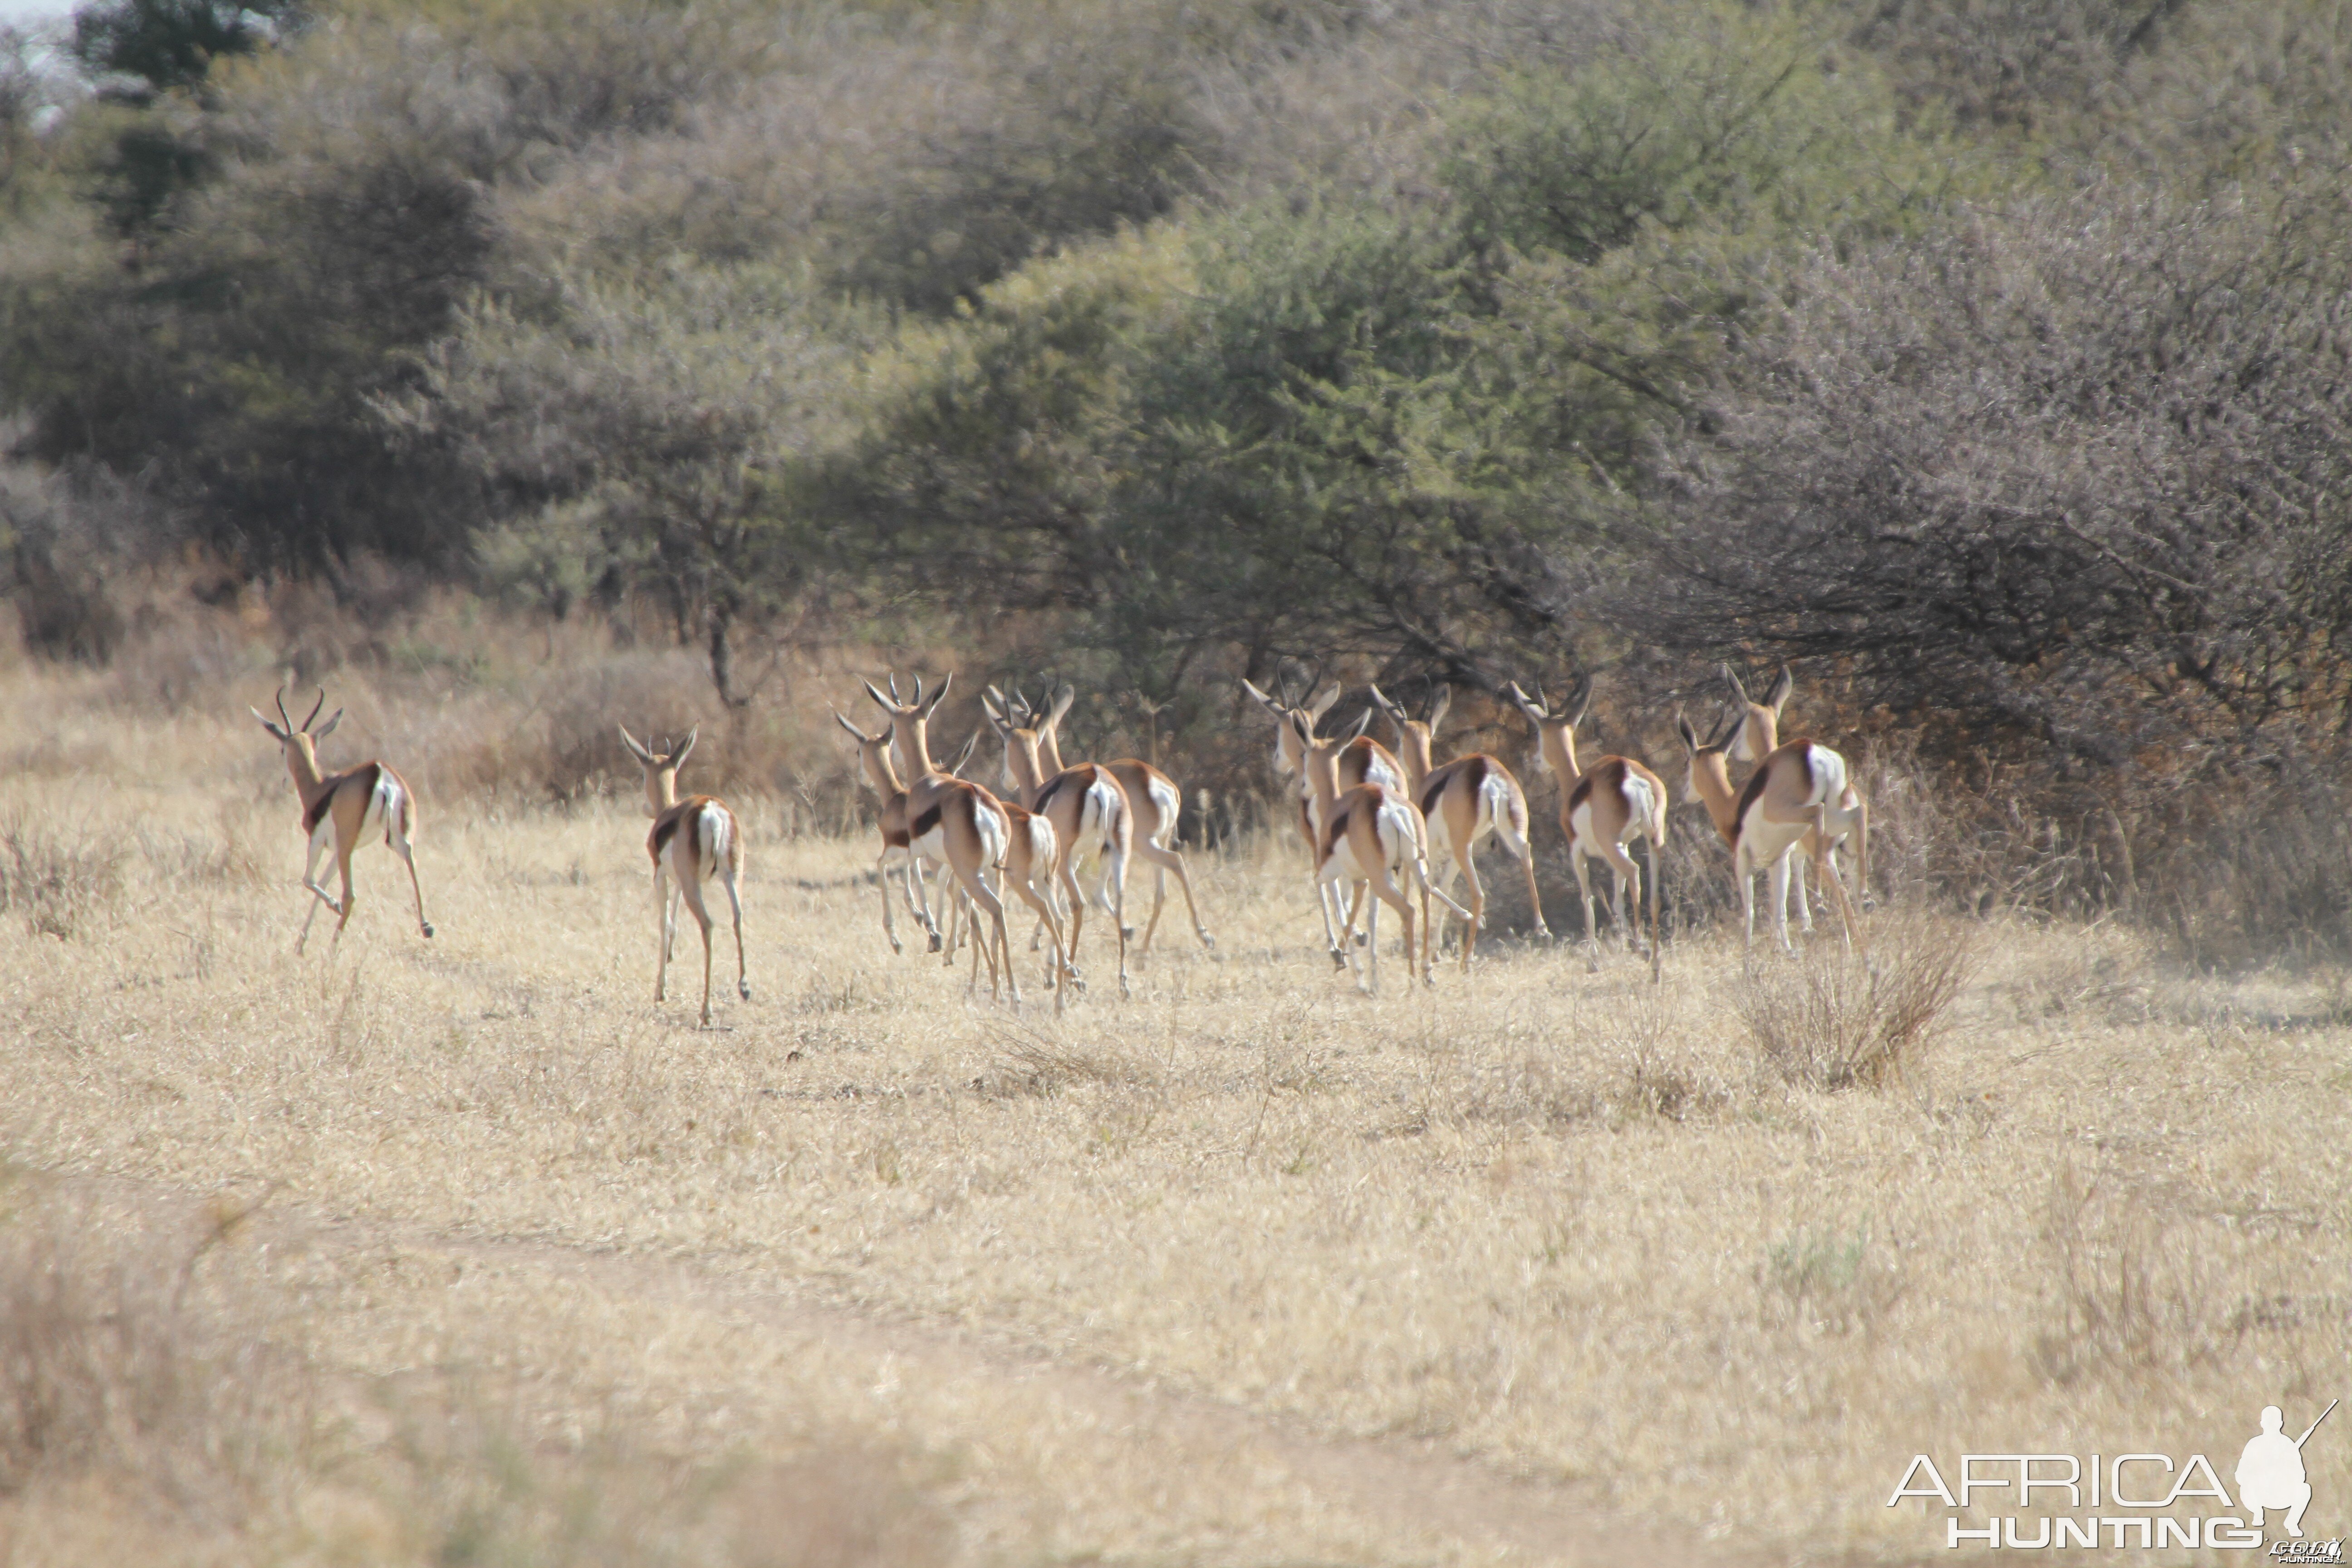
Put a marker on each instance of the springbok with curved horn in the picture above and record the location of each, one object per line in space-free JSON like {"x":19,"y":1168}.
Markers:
{"x":1463,"y":801}
{"x":950,"y":820}
{"x":1361,"y":761}
{"x":1151,"y":796}
{"x":1601,"y":810}
{"x":693,"y":840}
{"x":341,"y":809}
{"x":1089,"y":810}
{"x":1758,"y":737}
{"x":1799,"y":789}
{"x":1367,"y":837}
{"x":890,"y":817}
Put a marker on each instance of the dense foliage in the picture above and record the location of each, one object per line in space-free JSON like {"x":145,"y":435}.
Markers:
{"x":1990,"y":356}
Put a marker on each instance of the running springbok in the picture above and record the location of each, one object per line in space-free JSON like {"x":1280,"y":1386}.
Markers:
{"x":1089,"y":810}
{"x":950,"y":820}
{"x":1366,"y":839}
{"x":341,"y":809}
{"x":890,"y":817}
{"x":693,"y":840}
{"x":1758,"y":737}
{"x":1601,"y":810}
{"x":1361,"y":761}
{"x":1798,"y":789}
{"x":1151,"y":796}
{"x":1463,"y":801}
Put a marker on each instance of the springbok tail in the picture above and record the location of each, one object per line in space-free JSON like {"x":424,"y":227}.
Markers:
{"x":712,"y":838}
{"x":1170,"y":803}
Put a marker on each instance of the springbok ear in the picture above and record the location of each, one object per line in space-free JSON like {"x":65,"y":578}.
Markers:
{"x":1062,"y":700}
{"x":327,"y":728}
{"x":836,"y":718}
{"x":1732,"y":680}
{"x":1778,"y":698}
{"x":1300,"y":728}
{"x":1437,"y":708}
{"x":1260,"y":698}
{"x":1322,"y":704}
{"x":1579,"y":701}
{"x":275,"y":732}
{"x":678,"y":758}
{"x":1528,"y":706}
{"x":648,"y":757}
{"x":1689,"y":735}
{"x":926,"y":707}
{"x":1364,"y":722}
{"x":1396,"y":714}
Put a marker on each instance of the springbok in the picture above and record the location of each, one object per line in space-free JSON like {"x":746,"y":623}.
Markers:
{"x":950,"y":820}
{"x":1758,"y":737}
{"x":693,"y":840}
{"x":1365,"y":838}
{"x":1151,"y":796}
{"x":341,"y":810}
{"x":1601,"y":810}
{"x":1361,"y":761}
{"x":1089,"y":810}
{"x":1797,"y":789}
{"x":1463,"y":801}
{"x":890,"y":817}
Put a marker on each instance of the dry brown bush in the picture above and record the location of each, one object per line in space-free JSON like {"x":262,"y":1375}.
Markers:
{"x":2128,"y":1290}
{"x":57,"y":882}
{"x":1833,"y":1020}
{"x":122,"y":1355}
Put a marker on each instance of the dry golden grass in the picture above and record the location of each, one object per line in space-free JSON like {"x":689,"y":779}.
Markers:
{"x":1250,"y":1269}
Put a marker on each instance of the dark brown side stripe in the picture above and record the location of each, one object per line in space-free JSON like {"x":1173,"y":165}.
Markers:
{"x":315,"y":813}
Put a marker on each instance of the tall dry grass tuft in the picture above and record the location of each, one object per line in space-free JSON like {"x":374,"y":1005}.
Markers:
{"x":57,"y":883}
{"x":1829,"y":1020}
{"x":123,"y":1356}
{"x":2129,"y":1293}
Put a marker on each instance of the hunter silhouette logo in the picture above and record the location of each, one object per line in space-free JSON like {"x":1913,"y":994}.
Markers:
{"x":2270,"y":1473}
{"x":2128,"y":1500}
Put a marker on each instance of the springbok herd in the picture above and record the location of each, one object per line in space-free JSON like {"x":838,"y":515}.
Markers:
{"x":1371,"y":818}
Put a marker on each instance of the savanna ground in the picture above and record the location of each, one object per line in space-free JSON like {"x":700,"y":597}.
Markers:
{"x":467,"y":1251}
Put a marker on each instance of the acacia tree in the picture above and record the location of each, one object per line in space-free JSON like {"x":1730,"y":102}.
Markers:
{"x":644,"y":436}
{"x":2077,"y":473}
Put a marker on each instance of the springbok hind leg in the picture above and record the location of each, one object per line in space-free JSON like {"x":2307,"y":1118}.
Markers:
{"x":735,"y":906}
{"x":407,"y":853}
{"x":1462,"y":857}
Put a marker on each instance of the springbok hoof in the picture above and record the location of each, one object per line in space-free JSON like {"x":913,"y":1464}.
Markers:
{"x":427,"y":929}
{"x":744,"y":989}
{"x":1339,"y":958}
{"x":935,"y":941}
